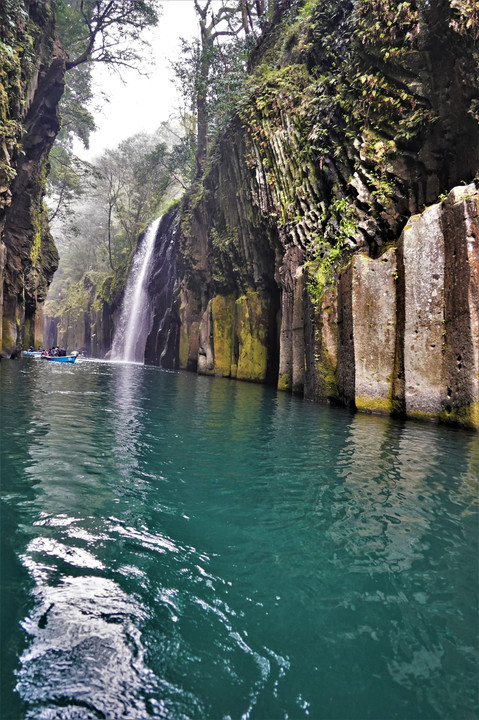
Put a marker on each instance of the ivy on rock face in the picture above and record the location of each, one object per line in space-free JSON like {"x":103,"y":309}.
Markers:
{"x":334,"y":109}
{"x":23,"y":44}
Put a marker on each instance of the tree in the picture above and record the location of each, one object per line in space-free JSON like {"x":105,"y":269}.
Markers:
{"x":66,"y":179}
{"x":211,"y":71}
{"x":138,"y":172}
{"x":122,"y":190}
{"x":107,"y":31}
{"x":206,"y":65}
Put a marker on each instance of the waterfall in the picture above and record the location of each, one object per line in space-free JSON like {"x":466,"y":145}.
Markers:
{"x":130,"y":337}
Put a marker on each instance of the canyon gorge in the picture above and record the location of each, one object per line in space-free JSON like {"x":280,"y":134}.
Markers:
{"x":330,"y":244}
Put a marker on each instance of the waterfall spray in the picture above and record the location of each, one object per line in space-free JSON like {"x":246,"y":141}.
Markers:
{"x":134,"y":325}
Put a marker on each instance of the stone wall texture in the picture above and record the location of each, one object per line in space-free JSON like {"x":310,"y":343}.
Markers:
{"x":343,"y":197}
{"x":398,"y":334}
{"x":330,"y":246}
{"x":31,"y":84}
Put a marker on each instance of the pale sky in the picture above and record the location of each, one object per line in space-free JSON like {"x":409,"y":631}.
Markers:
{"x":141,"y":103}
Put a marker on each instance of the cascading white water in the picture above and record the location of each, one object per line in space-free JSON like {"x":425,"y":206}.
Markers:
{"x":134,"y":325}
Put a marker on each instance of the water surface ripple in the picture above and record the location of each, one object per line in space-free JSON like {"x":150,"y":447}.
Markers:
{"x":182,"y":547}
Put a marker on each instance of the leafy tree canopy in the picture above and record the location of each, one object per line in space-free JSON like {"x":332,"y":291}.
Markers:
{"x":107,"y":31}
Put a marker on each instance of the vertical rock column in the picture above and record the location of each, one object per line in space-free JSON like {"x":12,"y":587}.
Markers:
{"x":321,"y":348}
{"x":206,"y":352}
{"x":291,"y":341}
{"x":252,"y":336}
{"x":298,"y":360}
{"x":190,"y":317}
{"x":223,"y":315}
{"x":422,"y":249}
{"x":346,"y":364}
{"x":460,"y":225}
{"x":367,"y":332}
{"x":440,"y":253}
{"x":234,"y":337}
{"x":374,"y":321}
{"x":3,"y":252}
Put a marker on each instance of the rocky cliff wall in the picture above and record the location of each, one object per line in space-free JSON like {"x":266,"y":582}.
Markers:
{"x":320,"y":250}
{"x":330,"y":246}
{"x":407,"y":322}
{"x":94,"y":308}
{"x":397,"y":334}
{"x":32,"y":67}
{"x":87,"y":325}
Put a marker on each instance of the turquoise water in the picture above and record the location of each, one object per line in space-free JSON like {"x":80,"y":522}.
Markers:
{"x":188,"y":547}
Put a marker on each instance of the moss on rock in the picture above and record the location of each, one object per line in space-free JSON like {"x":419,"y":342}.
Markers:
{"x":223,"y":315}
{"x":251,"y":331}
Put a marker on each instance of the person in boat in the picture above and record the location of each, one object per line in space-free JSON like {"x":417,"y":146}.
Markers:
{"x":31,"y":349}
{"x":45,"y":352}
{"x":62,"y":352}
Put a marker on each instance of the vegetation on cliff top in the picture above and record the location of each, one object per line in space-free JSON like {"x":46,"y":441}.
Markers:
{"x":24,"y":44}
{"x":334,"y":103}
{"x":328,"y":96}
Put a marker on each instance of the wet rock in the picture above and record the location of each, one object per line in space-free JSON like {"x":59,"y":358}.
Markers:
{"x":30,"y":255}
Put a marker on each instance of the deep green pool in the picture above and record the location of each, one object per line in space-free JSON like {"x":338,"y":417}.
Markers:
{"x":188,"y":547}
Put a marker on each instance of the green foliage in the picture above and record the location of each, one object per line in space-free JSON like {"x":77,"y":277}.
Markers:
{"x":279,"y":102}
{"x":110,"y":202}
{"x":107,"y":31}
{"x":110,"y":32}
{"x":109,"y":288}
{"x":465,"y":18}
{"x":67,"y":180}
{"x":77,"y":118}
{"x":341,"y":86}
{"x":211,"y":71}
{"x":20,"y":46}
{"x":273,"y":92}
{"x":224,"y":256}
{"x":327,"y":254}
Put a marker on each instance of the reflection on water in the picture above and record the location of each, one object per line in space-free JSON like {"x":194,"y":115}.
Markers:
{"x":184,"y":547}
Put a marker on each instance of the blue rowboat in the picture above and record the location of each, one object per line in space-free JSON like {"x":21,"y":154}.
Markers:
{"x":33,"y":353}
{"x":60,"y":358}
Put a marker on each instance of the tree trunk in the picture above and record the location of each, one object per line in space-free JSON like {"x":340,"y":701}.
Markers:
{"x":201,"y":109}
{"x":110,"y":208}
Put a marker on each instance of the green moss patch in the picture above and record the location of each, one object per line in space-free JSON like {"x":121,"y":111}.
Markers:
{"x":251,"y":332}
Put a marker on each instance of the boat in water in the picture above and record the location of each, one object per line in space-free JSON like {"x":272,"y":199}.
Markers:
{"x":32,"y":353}
{"x":60,"y":358}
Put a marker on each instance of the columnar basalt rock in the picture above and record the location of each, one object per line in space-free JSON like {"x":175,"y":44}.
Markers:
{"x":305,"y":199}
{"x":236,"y":336}
{"x":223,"y":316}
{"x":206,"y":353}
{"x":30,"y":254}
{"x":190,"y":318}
{"x":321,"y":348}
{"x":74,"y":330}
{"x":424,"y":312}
{"x":441,"y":301}
{"x":373,"y":301}
{"x":398,"y":334}
{"x":407,"y":340}
{"x":252,"y":339}
{"x":291,"y":341}
{"x":460,"y":225}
